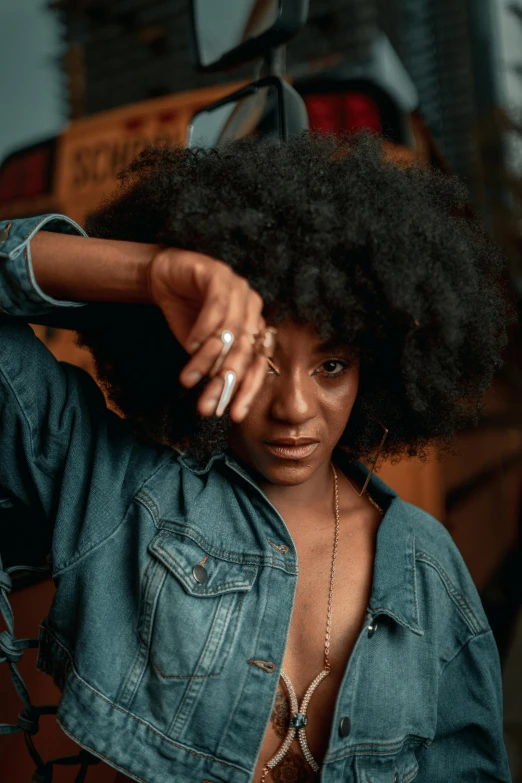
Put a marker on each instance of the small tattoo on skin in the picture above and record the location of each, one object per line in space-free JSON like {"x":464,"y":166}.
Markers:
{"x":281,"y":715}
{"x":293,"y":768}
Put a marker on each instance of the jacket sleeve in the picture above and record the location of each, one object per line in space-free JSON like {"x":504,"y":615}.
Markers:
{"x":469,"y":744}
{"x":20,"y":294}
{"x":60,"y":447}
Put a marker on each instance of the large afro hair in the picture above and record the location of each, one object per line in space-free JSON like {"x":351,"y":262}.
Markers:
{"x":332,"y":233}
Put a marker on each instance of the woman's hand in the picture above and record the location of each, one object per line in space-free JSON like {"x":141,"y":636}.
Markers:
{"x":200,"y":297}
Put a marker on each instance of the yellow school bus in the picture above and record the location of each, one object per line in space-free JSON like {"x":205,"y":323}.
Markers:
{"x":72,"y":172}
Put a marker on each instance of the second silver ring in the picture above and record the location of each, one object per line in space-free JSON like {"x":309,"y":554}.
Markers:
{"x":227,"y":338}
{"x":228,"y":388}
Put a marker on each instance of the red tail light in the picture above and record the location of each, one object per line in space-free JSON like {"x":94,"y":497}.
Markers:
{"x":353,"y":111}
{"x":27,"y":173}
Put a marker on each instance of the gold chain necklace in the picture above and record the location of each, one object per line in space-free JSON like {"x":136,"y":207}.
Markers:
{"x":298,"y":718}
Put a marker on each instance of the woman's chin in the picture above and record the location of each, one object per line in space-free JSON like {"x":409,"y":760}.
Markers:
{"x":285,"y":472}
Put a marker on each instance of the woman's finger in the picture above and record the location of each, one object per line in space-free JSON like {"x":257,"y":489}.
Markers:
{"x":252,"y":384}
{"x":244,"y":309}
{"x":242,"y":355}
{"x":209,"y":400}
{"x":226,"y":291}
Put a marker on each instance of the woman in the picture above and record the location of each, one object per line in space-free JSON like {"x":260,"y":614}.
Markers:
{"x":188,"y":643}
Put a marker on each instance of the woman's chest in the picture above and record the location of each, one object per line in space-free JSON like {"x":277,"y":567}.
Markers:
{"x":311,"y":648}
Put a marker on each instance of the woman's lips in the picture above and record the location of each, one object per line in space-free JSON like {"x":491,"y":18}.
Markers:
{"x":291,"y":452}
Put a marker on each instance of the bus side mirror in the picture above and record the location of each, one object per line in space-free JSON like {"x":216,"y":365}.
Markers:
{"x":228,"y":33}
{"x":269,"y":108}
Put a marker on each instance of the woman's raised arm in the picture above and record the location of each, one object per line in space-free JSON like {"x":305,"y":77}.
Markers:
{"x":198,"y":295}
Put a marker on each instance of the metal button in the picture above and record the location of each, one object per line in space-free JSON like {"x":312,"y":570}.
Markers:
{"x":345,"y":727}
{"x":199,"y":573}
{"x":372,"y":628}
{"x":4,"y":233}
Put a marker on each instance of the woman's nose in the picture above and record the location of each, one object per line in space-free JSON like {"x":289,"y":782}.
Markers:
{"x":293,"y":399}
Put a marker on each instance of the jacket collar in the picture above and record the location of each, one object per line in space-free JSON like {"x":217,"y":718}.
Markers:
{"x":394,"y":575}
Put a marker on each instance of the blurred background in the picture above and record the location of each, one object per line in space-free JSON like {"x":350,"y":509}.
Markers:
{"x":88,"y":83}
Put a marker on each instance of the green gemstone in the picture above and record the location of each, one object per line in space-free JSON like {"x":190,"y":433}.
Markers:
{"x":298,"y":721}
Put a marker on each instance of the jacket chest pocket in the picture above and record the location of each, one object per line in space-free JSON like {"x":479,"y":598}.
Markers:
{"x":401,"y":768}
{"x":191,"y":606}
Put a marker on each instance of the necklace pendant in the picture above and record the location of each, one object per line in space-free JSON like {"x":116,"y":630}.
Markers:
{"x":298,"y":721}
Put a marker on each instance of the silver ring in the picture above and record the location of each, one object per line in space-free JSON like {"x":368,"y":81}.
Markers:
{"x":226,"y":394}
{"x":227,"y":338}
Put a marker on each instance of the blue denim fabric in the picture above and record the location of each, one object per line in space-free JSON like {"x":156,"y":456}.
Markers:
{"x":156,"y":669}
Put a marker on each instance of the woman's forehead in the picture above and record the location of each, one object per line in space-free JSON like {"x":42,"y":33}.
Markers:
{"x":291,"y":335}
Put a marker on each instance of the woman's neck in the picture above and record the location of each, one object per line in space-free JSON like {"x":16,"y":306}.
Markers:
{"x":309,"y":495}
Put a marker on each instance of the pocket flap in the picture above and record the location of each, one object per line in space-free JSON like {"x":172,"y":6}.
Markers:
{"x":180,"y":554}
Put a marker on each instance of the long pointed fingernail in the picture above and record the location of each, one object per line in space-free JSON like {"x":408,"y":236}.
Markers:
{"x":226,"y":394}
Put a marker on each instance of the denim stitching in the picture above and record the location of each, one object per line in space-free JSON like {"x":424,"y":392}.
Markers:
{"x":202,"y":654}
{"x":236,"y":557}
{"x":467,"y":643}
{"x":32,"y":295}
{"x":127,"y":691}
{"x":207,"y":643}
{"x":219,"y":642}
{"x":97,"y":753}
{"x":35,"y":229}
{"x":92,"y":546}
{"x":140,"y":496}
{"x":414,"y":570}
{"x":387,"y":747}
{"x":266,"y":559}
{"x":413,"y":770}
{"x":135,"y":675}
{"x":148,"y":644}
{"x":211,"y":546}
{"x":49,"y":219}
{"x":183,"y":676}
{"x":100,"y":696}
{"x":150,"y":601}
{"x":454,"y":594}
{"x":189,"y":700}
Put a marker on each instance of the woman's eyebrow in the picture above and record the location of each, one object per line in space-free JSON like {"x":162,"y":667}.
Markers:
{"x":331,"y":345}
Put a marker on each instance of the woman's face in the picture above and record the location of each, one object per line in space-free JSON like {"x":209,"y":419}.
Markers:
{"x":309,"y":394}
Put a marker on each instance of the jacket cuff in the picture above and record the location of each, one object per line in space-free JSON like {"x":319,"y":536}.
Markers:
{"x":20,"y":294}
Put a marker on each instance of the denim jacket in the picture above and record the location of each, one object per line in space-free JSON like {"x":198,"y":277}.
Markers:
{"x":170,"y":679}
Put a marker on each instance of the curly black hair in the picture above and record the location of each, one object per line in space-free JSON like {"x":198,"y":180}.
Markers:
{"x":331,"y":233}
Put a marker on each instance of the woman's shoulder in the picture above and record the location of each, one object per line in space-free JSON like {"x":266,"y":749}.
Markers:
{"x":439,"y":559}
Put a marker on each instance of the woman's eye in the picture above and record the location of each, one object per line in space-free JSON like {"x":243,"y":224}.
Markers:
{"x":334,"y":368}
